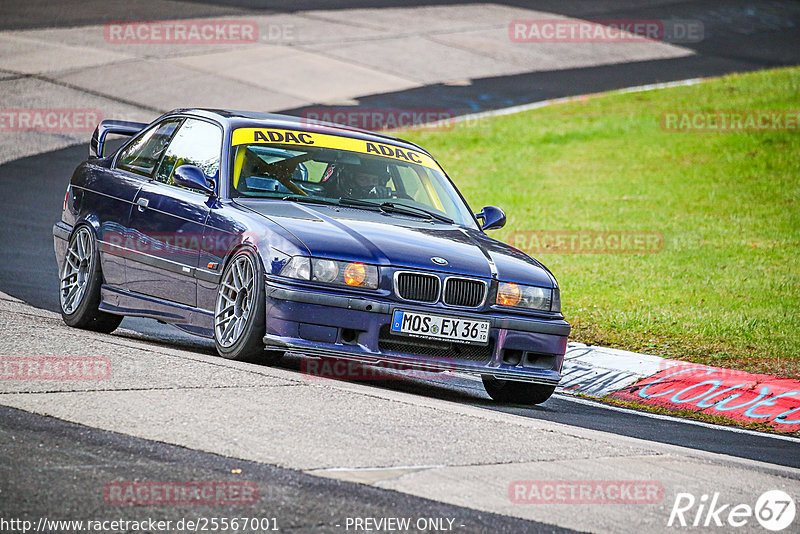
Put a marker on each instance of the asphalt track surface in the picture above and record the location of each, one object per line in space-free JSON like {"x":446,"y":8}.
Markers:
{"x":31,"y":192}
{"x":48,"y":462}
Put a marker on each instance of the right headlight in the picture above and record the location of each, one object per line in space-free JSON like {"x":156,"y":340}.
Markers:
{"x":353,"y":274}
{"x":530,"y":297}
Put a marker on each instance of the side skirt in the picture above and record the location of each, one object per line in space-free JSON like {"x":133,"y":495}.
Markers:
{"x":191,"y":320}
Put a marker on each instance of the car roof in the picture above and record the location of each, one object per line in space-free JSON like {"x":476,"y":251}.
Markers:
{"x":253,"y":119}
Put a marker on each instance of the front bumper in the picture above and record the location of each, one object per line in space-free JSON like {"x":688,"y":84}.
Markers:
{"x":324,"y":324}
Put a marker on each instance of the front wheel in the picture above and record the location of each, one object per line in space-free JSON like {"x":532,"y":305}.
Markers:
{"x":516,"y":392}
{"x":239,"y":313}
{"x":79,"y":288}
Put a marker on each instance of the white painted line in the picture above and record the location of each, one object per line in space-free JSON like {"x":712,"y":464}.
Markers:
{"x":553,"y":101}
{"x":390,"y":468}
{"x":662,"y":417}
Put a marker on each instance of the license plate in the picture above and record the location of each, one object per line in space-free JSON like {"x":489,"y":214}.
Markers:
{"x":440,"y":327}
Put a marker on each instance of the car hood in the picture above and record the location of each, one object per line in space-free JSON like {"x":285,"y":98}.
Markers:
{"x":351,"y":234}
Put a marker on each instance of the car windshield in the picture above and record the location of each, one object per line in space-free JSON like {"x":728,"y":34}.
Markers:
{"x":321,"y":169}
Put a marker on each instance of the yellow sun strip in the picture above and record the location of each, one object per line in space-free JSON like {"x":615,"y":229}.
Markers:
{"x":242,"y":136}
{"x":430,"y":190}
{"x":237,"y":167}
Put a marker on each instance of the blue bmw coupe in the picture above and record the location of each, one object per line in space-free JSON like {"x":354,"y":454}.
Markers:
{"x":272,"y":235}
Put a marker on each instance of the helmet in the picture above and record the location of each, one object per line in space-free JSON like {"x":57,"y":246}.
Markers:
{"x":365,"y":180}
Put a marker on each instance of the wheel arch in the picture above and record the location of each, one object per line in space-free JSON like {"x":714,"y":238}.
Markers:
{"x":91,"y":221}
{"x":238,"y":248}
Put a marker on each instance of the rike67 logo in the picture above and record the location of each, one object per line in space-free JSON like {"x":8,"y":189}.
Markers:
{"x":774,"y":510}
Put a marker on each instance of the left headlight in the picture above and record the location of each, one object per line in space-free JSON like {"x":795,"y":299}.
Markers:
{"x":344,"y":273}
{"x":533,"y":298}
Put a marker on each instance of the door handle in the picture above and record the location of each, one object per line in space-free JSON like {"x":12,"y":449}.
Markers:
{"x":143,"y":203}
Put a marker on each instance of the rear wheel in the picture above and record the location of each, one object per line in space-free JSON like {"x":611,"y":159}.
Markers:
{"x":79,"y":288}
{"x":516,"y":392}
{"x":239,"y":313}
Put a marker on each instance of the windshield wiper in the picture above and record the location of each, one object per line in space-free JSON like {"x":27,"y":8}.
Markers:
{"x":403,"y":209}
{"x":414,"y":210}
{"x":349,"y":202}
{"x":388,"y":207}
{"x":358,"y":203}
{"x":310,"y":200}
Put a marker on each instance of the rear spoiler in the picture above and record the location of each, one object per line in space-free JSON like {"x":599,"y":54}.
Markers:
{"x":111,"y":127}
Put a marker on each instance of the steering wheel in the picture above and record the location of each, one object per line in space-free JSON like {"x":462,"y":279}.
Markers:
{"x":314,"y":189}
{"x":404,"y":196}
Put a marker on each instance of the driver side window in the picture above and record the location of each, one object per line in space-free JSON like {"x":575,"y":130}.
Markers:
{"x":142,"y":155}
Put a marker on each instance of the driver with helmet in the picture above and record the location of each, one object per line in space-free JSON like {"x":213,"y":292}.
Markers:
{"x":366,"y":180}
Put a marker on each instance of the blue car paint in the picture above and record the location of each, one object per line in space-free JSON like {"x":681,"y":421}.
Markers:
{"x":180,"y":286}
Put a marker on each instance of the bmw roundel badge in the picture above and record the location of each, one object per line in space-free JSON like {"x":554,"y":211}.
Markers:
{"x":439,"y":261}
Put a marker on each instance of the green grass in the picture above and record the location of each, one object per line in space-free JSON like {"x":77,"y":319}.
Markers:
{"x":725,"y":289}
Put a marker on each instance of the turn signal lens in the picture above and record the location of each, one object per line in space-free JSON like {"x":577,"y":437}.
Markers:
{"x":355,"y":274}
{"x":508,"y":294}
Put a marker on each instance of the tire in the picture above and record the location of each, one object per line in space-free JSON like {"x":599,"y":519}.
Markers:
{"x":516,"y":392}
{"x":79,"y":285}
{"x":239,"y":312}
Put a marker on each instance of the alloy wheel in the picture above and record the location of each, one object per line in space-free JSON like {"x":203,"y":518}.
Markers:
{"x":234,"y":301}
{"x":78,"y":265}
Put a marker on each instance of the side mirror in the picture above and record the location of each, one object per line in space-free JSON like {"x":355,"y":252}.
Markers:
{"x":493,"y":218}
{"x":192,"y":177}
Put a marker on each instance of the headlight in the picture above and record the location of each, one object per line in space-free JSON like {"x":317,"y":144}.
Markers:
{"x":534,"y":298}
{"x":325,"y":270}
{"x":332,"y":272}
{"x":299,"y":267}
